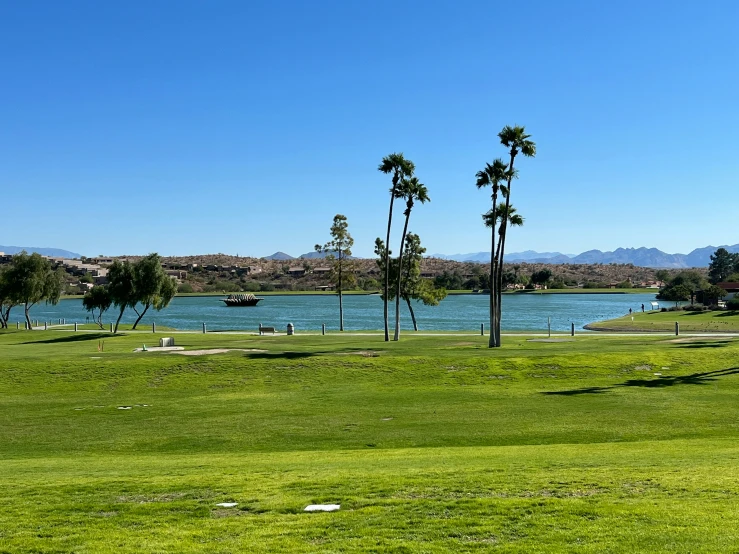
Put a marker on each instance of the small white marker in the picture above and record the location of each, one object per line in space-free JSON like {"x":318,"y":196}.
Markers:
{"x":322,"y":507}
{"x":227,"y":504}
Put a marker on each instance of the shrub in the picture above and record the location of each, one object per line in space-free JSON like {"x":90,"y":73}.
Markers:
{"x":696,"y":308}
{"x":185,"y":288}
{"x":227,"y":286}
{"x":252,"y":286}
{"x":733,"y":303}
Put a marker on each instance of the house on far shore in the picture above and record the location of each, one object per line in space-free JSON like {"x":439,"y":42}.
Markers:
{"x":731,"y":288}
{"x":296,"y":271}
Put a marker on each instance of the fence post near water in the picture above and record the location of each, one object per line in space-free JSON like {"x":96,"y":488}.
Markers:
{"x":677,"y":328}
{"x":46,"y":325}
{"x":323,"y":329}
{"x":572,"y":332}
{"x":111,"y":327}
{"x":153,"y":327}
{"x":75,"y":326}
{"x":203,"y":328}
{"x":482,"y":329}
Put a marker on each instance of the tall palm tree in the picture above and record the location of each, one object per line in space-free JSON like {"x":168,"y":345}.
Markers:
{"x":399,"y":167}
{"x":412,"y":190}
{"x":517,"y":141}
{"x":494,"y":176}
{"x":514,"y":218}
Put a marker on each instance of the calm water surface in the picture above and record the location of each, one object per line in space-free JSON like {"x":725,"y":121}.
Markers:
{"x":521,"y":312}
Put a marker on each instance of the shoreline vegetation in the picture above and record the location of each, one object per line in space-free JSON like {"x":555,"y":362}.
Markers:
{"x":369,"y":293}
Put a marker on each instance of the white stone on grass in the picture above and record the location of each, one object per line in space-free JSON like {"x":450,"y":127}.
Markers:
{"x":322,"y":508}
{"x":227,"y":504}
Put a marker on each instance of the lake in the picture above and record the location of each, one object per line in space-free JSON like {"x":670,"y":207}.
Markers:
{"x":464,"y":312}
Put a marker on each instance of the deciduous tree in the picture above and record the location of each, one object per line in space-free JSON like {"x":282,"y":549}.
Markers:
{"x":152,"y":286}
{"x":338,"y":251}
{"x":7,"y":297}
{"x":31,"y":279}
{"x":97,"y":300}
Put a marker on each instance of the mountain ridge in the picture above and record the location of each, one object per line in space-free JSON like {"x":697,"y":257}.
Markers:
{"x":640,"y":257}
{"x":44,"y":251}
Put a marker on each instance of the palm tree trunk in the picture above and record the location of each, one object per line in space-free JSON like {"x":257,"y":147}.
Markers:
{"x":413,"y":315}
{"x":492,"y":341}
{"x":341,"y":300}
{"x":400,"y":276}
{"x":387,"y":255}
{"x":501,"y":247}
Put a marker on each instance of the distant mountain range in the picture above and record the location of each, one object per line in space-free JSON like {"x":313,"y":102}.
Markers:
{"x":642,"y":257}
{"x":52,"y":252}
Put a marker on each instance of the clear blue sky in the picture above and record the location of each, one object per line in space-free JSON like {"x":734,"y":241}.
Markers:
{"x":243,"y":127}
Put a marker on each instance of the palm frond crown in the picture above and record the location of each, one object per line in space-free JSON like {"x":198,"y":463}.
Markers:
{"x":396,"y":163}
{"x":517,"y":140}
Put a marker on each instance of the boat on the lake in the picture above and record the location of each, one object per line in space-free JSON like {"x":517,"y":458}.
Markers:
{"x":241,"y":300}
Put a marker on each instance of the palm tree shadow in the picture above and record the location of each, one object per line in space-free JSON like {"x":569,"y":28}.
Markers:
{"x":661,"y":382}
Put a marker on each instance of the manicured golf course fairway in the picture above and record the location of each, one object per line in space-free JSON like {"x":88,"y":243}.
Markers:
{"x":689,"y":322}
{"x":433,"y":444}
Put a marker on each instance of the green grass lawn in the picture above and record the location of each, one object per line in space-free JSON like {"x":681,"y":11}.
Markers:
{"x":690,"y":322}
{"x":432,"y":444}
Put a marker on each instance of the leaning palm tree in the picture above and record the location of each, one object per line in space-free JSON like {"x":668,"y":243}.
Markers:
{"x":517,"y":141}
{"x":494,"y":176}
{"x":400,"y":168}
{"x":412,"y":190}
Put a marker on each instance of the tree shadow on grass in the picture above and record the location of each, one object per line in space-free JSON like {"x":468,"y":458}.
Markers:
{"x":279,"y":355}
{"x":298,"y":355}
{"x":73,"y":338}
{"x":661,"y":382}
{"x":730,"y":313}
{"x":705,"y":344}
